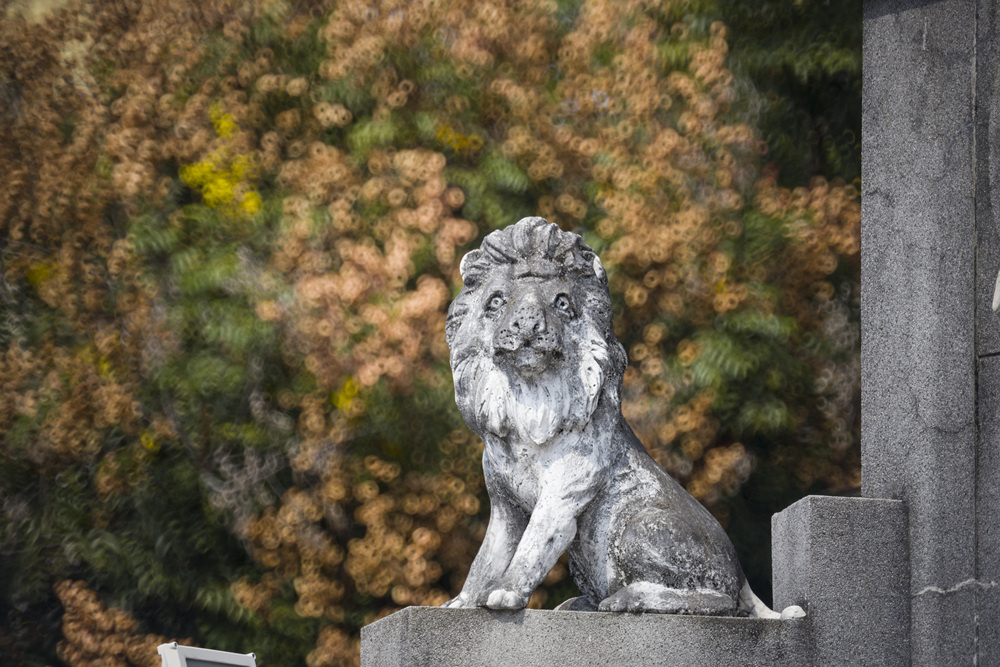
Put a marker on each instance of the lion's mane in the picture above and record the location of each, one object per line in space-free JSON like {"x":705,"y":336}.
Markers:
{"x":497,"y":400}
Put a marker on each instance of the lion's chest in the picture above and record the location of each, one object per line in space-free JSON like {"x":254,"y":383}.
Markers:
{"x":566,"y":470}
{"x":518,"y":469}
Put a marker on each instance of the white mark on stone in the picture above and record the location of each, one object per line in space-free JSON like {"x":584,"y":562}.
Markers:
{"x":925,"y":34}
{"x":996,"y":295}
{"x":983,"y":585}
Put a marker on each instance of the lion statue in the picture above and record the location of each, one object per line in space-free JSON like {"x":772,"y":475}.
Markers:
{"x":538,"y":376}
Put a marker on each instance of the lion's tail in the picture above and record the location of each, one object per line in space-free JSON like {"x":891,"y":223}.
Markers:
{"x":751,"y":605}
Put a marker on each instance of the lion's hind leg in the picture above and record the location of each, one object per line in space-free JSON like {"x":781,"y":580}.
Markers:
{"x":644,"y":596}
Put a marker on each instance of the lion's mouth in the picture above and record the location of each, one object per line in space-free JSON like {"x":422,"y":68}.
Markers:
{"x":527,"y":359}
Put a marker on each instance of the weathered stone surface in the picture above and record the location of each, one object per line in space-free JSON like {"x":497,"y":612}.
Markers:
{"x":919,"y":302}
{"x":987,"y":582}
{"x":419,"y":636}
{"x":538,"y":374}
{"x":844,"y":560}
{"x":986,"y":585}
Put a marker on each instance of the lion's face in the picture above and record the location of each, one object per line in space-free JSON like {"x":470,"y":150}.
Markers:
{"x":531,"y":343}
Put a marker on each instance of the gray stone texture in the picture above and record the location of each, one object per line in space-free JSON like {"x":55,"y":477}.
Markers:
{"x":987,"y":582}
{"x":919,"y":297}
{"x":419,"y":636}
{"x":986,"y":586}
{"x":844,"y":560}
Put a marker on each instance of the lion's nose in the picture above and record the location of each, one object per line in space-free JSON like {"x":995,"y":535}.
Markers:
{"x":528,"y":320}
{"x":522,"y":327}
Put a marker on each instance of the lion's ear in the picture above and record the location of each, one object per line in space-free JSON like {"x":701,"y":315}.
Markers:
{"x":598,"y":269}
{"x":470,"y":256}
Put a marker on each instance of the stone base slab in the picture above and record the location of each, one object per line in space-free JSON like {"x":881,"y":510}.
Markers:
{"x":418,"y":636}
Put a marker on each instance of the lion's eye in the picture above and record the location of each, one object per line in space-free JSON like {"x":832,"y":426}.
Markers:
{"x":563,"y":304}
{"x":495,"y":303}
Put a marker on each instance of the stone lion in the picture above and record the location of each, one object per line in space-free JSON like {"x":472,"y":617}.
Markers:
{"x":538,"y":375}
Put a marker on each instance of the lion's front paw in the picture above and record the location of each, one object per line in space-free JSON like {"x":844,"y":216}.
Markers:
{"x":504,"y":599}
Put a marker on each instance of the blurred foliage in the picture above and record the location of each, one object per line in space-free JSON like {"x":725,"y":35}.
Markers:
{"x":230,"y":232}
{"x":804,"y":58}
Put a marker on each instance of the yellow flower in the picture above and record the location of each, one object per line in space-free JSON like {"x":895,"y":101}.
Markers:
{"x":345,"y":397}
{"x":243,"y":167}
{"x":149,"y":442}
{"x":225,"y":124}
{"x":40,"y":272}
{"x":221,"y":176}
{"x":219,"y":191}
{"x":251,"y":203}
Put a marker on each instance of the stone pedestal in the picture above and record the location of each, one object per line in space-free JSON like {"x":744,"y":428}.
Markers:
{"x":419,"y":636}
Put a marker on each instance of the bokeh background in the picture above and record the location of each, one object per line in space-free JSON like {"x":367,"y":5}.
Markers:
{"x":229,"y":233}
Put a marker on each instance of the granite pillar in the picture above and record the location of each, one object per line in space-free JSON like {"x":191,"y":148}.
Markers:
{"x":929,"y":260}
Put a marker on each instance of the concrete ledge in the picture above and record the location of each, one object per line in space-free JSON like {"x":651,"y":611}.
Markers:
{"x":481,"y":637}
